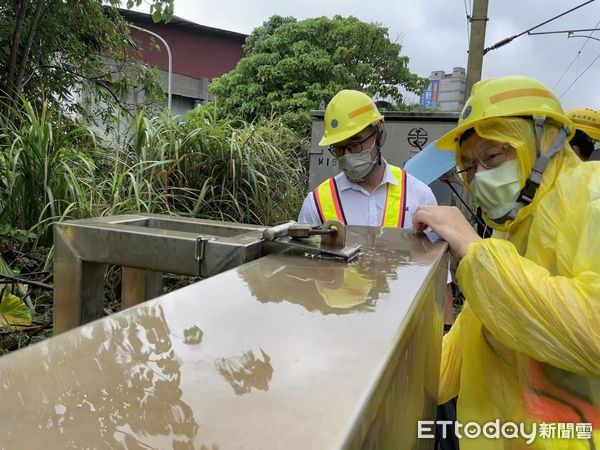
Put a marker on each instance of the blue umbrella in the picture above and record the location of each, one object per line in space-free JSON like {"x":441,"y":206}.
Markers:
{"x":430,"y":163}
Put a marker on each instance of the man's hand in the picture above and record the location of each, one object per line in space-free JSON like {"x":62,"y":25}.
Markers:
{"x":449,"y":224}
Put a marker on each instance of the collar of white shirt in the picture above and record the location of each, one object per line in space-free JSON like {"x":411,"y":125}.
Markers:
{"x":344,"y":183}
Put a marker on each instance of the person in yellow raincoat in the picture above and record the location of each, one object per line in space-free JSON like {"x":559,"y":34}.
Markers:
{"x":587,"y":131}
{"x":526,"y":347}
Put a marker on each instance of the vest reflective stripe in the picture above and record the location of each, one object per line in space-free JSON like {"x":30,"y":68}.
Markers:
{"x":329,"y":206}
{"x":395,"y":202}
{"x":328,"y":202}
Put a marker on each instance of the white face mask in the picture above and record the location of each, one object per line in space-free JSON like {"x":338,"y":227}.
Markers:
{"x":496,"y":190}
{"x":357,"y":166}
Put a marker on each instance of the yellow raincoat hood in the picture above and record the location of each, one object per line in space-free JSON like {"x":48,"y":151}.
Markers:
{"x":519,"y":134}
{"x":526,"y":347}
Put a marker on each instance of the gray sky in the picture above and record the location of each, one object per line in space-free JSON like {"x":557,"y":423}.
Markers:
{"x":433,"y":34}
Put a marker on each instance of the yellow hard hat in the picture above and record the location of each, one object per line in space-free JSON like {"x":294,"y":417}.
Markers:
{"x":348,"y":113}
{"x":353,"y":290}
{"x":586,"y":120}
{"x":507,"y":96}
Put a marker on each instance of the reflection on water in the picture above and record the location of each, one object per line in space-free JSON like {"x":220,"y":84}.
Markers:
{"x":115,"y":384}
{"x":246,"y":372}
{"x":192,"y":335}
{"x":303,"y":282}
{"x":335,"y":286}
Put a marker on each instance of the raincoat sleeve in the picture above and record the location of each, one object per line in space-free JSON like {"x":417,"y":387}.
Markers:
{"x":553,"y":319}
{"x":451,"y":363}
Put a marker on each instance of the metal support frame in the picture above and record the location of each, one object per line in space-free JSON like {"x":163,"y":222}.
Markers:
{"x":145,"y":245}
{"x":138,"y":285}
{"x":287,"y":351}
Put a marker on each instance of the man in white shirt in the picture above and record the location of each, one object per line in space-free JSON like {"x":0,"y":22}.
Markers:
{"x":368,"y":191}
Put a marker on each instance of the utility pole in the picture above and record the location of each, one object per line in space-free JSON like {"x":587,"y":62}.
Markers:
{"x":476,"y":43}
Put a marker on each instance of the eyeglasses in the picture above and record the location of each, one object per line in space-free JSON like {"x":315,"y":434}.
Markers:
{"x":491,"y":158}
{"x":352,"y":147}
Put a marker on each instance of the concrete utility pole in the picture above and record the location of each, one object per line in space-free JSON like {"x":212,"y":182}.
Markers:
{"x":476,"y":43}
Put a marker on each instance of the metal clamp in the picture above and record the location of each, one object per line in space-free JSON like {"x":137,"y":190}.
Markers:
{"x":199,"y":251}
{"x":334,"y":234}
{"x":332,"y":242}
{"x":270,"y":234}
{"x":331,"y":232}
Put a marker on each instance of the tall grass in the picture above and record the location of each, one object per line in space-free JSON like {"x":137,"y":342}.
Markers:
{"x":205,"y":167}
{"x":53,"y":169}
{"x":131,"y":169}
{"x":44,"y":176}
{"x":250,"y":174}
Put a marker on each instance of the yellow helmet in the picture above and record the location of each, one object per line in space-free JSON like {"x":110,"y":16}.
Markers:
{"x":348,"y":113}
{"x":353,"y":289}
{"x":507,"y":96}
{"x":586,"y":120}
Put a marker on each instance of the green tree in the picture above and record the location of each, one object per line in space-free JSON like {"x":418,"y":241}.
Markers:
{"x":293,"y":66}
{"x":49,"y":47}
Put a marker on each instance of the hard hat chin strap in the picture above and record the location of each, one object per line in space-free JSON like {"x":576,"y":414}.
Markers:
{"x":533,"y":182}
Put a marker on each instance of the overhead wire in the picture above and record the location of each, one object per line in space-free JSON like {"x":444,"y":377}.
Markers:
{"x":567,"y":69}
{"x":576,"y":57}
{"x":467,"y":16}
{"x":509,"y":39}
{"x":575,"y":80}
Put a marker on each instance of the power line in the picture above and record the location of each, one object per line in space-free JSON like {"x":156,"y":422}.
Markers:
{"x":509,"y":39}
{"x":569,"y":32}
{"x":567,"y":69}
{"x":575,"y":57}
{"x":586,"y":37}
{"x":586,"y":69}
{"x":467,"y":17}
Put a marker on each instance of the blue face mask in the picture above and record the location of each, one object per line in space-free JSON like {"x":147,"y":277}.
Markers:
{"x":496,"y":190}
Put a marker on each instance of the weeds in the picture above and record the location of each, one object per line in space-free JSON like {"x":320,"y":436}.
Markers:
{"x":53,"y":168}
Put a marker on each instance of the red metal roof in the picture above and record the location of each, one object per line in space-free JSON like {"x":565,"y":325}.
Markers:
{"x":198,"y":51}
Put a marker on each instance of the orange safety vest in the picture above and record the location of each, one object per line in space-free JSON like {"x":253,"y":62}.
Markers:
{"x":329,"y":206}
{"x":550,"y":403}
